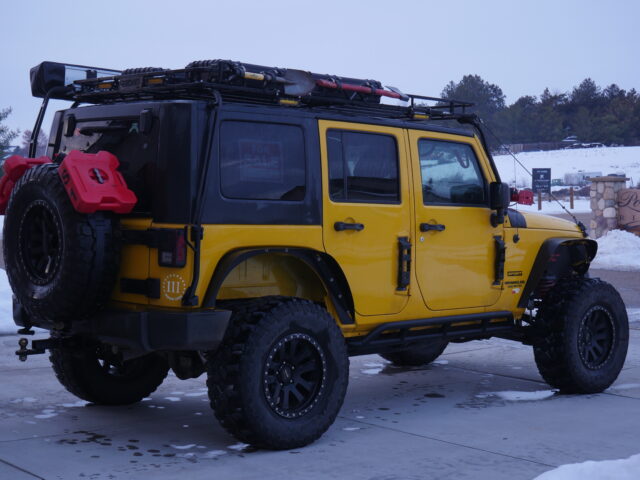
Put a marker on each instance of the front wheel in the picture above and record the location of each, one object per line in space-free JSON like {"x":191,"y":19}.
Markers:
{"x":584,"y":336}
{"x":280,"y":377}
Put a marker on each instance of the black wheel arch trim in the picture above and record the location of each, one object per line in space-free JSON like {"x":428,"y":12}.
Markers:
{"x":554,"y":258}
{"x":327,"y":269}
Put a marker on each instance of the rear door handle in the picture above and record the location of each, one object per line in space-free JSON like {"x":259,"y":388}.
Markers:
{"x":425,"y":227}
{"x":341,"y":226}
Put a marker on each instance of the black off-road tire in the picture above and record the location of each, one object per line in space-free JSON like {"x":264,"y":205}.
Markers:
{"x":61,"y":264}
{"x":416,"y":355}
{"x":247,"y":376}
{"x":583,"y":337}
{"x":90,"y":373}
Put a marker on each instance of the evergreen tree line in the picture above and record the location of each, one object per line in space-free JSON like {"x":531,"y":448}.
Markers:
{"x":607,"y":115}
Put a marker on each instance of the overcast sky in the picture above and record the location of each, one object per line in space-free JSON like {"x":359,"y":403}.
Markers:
{"x":417,"y":46}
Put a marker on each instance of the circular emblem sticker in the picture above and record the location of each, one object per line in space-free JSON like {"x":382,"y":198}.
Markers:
{"x":173,"y":286}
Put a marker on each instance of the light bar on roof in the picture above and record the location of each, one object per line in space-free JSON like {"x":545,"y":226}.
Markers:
{"x":49,"y":75}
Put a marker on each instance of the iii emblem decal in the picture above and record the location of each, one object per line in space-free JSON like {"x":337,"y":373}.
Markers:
{"x":173,"y":286}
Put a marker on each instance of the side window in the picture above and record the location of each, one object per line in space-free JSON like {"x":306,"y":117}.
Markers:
{"x":450,"y":174}
{"x":363,"y":167}
{"x":262,"y":161}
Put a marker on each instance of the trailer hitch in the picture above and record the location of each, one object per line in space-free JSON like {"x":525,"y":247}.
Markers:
{"x":37,"y":347}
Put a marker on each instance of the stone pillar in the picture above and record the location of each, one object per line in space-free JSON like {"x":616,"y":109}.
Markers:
{"x":604,"y":204}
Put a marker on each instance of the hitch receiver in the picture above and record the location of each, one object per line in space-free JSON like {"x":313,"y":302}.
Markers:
{"x":37,"y":347}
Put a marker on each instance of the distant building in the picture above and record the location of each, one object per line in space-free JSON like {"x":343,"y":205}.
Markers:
{"x":580,"y":177}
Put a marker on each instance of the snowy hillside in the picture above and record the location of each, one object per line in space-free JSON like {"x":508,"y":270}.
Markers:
{"x":606,"y":160}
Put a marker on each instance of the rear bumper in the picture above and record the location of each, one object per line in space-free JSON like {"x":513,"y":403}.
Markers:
{"x":148,"y":331}
{"x":161,"y":330}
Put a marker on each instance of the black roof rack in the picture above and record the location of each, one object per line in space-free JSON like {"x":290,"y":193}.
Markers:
{"x":238,"y":82}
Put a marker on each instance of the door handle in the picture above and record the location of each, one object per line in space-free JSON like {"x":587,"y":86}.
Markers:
{"x":425,"y":227}
{"x":341,"y":226}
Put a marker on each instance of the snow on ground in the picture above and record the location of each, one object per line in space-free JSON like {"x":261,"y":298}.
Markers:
{"x":606,"y":160}
{"x":623,"y":469}
{"x":618,"y":250}
{"x":6,"y":305}
{"x":579,"y":206}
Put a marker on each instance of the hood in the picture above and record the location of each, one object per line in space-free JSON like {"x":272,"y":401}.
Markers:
{"x":539,"y":221}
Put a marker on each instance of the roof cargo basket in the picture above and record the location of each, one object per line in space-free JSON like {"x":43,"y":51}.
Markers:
{"x":236,"y":82}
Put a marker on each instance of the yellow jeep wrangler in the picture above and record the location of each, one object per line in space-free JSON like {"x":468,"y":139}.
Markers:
{"x":263,"y":224}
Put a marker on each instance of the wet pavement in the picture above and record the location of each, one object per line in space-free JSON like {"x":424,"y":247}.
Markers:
{"x":480,"y":411}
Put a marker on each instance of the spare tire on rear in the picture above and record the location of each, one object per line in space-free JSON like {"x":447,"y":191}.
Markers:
{"x":61,"y":264}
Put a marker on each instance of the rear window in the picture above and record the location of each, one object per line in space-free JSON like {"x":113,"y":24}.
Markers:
{"x":262,"y":161}
{"x":136,"y":152}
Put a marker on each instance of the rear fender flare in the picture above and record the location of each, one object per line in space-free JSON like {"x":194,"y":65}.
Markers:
{"x":324,"y":266}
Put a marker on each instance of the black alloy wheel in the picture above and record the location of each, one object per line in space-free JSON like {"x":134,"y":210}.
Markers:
{"x":280,"y":376}
{"x":596,"y":336}
{"x":295,"y":375}
{"x":582,"y":335}
{"x":40,"y":242}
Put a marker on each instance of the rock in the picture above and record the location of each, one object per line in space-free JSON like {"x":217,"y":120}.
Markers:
{"x":609,"y":212}
{"x":600,"y":187}
{"x":609,"y":194}
{"x":601,"y":204}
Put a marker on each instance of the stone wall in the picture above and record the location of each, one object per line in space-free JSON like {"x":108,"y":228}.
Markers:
{"x":604,"y":204}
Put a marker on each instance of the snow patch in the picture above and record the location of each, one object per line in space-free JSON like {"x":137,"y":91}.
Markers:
{"x":183,"y":447}
{"x":371,"y":371}
{"x":238,"y":446}
{"x":47,"y":413}
{"x":79,"y":403}
{"x":195,"y":394}
{"x":514,"y":396}
{"x":23,"y":400}
{"x":6,"y":305}
{"x":173,"y":399}
{"x":622,"y":469}
{"x":618,"y":250}
{"x":213,"y":454}
{"x":440,"y":362}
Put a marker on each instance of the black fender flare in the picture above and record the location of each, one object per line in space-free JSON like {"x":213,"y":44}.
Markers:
{"x":322,"y":264}
{"x":557,"y":257}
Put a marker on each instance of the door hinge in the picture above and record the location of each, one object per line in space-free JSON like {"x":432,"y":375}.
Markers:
{"x":404,"y":263}
{"x":501,"y":250}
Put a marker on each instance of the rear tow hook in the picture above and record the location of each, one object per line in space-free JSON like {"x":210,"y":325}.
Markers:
{"x":37,"y":347}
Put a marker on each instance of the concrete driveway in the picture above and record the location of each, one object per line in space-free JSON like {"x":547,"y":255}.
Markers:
{"x":481,"y":411}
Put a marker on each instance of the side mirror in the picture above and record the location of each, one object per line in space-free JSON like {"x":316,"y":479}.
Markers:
{"x":499,"y":196}
{"x":499,"y":199}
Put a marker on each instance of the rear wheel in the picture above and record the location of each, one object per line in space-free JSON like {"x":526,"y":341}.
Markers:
{"x":584,"y":336}
{"x":416,"y":355}
{"x":280,"y":377}
{"x":91,"y":372}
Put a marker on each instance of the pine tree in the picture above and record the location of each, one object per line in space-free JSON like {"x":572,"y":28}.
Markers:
{"x":6,"y":134}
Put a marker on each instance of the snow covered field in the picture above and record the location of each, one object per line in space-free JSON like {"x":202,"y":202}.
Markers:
{"x":606,"y":160}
